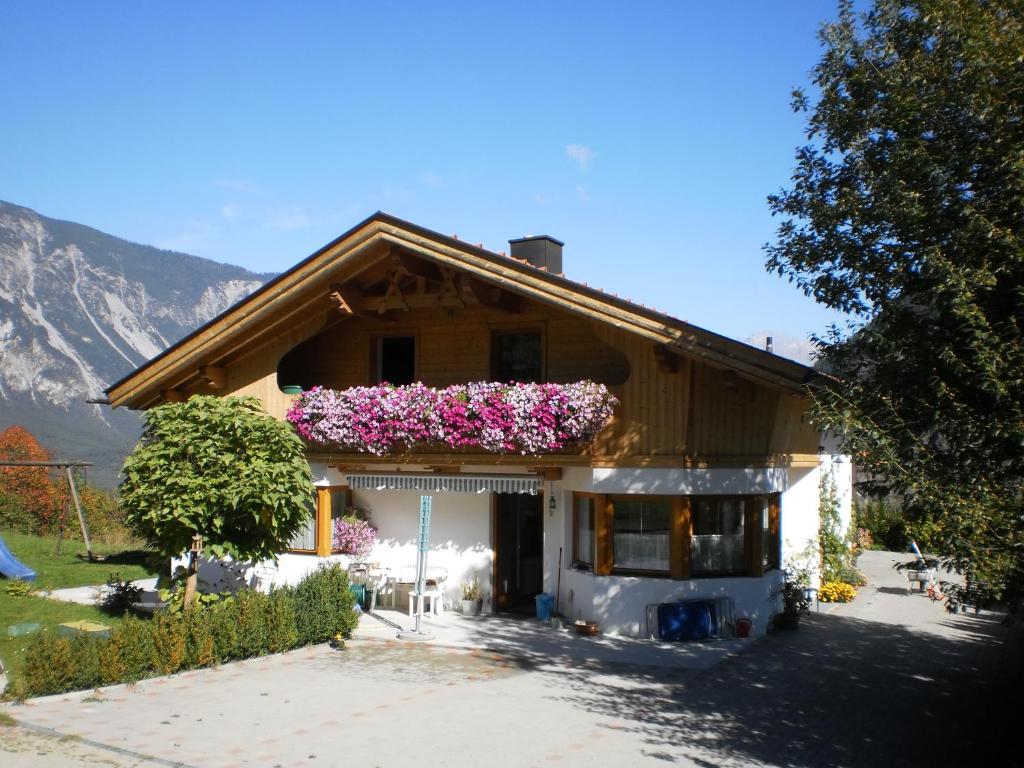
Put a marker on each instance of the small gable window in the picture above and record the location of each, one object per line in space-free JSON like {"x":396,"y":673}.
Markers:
{"x":396,"y":360}
{"x":517,"y":356}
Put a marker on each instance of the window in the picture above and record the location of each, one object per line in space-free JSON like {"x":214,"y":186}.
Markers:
{"x":640,"y":534}
{"x":305,"y":539}
{"x":396,"y":360}
{"x":517,"y":356}
{"x":676,"y":536}
{"x":766,"y":533}
{"x":718,"y":541}
{"x":771,"y":550}
{"x":583,"y":530}
{"x":317,"y":534}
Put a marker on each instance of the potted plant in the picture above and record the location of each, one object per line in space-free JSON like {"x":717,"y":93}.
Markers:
{"x":795,"y":599}
{"x":472,"y":600}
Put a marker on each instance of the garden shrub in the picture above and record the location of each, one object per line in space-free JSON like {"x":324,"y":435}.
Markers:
{"x":200,"y":648}
{"x":119,"y":596}
{"x":221,"y":622}
{"x":251,"y":610}
{"x":129,"y":654}
{"x":170,"y":636}
{"x":885,"y":523}
{"x":61,"y":663}
{"x":251,"y":624}
{"x":324,"y":605}
{"x":282,"y":621}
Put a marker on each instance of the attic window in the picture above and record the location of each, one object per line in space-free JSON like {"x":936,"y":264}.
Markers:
{"x":517,"y":356}
{"x":396,"y":360}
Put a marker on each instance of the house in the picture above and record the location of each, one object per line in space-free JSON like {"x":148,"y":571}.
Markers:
{"x":702,"y":484}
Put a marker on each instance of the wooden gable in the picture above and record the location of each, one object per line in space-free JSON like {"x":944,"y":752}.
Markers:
{"x":684,"y":391}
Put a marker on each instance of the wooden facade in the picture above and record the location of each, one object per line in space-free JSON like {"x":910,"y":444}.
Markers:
{"x":688,"y":398}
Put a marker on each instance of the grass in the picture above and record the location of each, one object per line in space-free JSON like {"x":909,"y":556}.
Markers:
{"x":55,"y":571}
{"x":70,"y":568}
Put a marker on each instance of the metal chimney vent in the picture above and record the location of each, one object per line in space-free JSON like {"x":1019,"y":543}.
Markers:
{"x":542,"y":251}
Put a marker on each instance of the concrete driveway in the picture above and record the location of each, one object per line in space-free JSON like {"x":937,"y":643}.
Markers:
{"x":890,"y":679}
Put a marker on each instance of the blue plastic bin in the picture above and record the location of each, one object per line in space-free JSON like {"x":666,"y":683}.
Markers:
{"x":545,"y":606}
{"x":693,"y":620}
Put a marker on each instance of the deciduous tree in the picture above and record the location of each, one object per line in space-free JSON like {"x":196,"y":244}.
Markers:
{"x":906,"y":210}
{"x":219,"y":468}
{"x":32,"y":498}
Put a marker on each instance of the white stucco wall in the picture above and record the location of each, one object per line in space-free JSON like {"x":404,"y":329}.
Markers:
{"x":461,"y":539}
{"x":460,"y":535}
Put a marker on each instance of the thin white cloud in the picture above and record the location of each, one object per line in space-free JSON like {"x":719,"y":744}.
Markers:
{"x":582,"y":194}
{"x":230,"y":211}
{"x":580,"y":154}
{"x":541,"y":198}
{"x":194,"y":236}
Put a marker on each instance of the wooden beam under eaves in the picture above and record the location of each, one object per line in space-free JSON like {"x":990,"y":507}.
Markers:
{"x":173,"y":396}
{"x":417,"y":267}
{"x":444,"y":469}
{"x":347,"y":297}
{"x":667,"y":360}
{"x":494,"y":297}
{"x":548,"y":473}
{"x":213,"y":375}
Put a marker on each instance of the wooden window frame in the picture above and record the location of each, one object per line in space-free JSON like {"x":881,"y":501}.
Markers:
{"x":774,"y":538}
{"x":323,"y":529}
{"x":502,"y":330}
{"x":598,"y":502}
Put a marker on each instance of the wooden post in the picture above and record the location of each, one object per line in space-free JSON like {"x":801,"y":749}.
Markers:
{"x":192,"y":582}
{"x":324,"y":534}
{"x":78,"y":509}
{"x":679,"y":545}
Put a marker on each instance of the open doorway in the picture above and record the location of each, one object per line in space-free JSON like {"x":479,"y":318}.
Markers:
{"x":519,"y":551}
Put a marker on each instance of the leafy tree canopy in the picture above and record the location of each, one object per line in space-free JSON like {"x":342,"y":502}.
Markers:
{"x":222,"y":468}
{"x":906,"y":210}
{"x":31,"y":497}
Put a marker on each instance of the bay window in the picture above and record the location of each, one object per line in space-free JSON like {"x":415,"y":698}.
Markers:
{"x":678,"y":537}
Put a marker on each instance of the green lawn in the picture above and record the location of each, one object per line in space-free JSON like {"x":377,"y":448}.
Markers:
{"x":56,"y":572}
{"x":69,"y":568}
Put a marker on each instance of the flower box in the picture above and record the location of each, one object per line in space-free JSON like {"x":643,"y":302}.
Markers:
{"x":487,"y":416}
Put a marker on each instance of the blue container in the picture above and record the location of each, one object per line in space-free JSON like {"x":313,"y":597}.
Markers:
{"x":545,"y":605}
{"x":687,"y":621}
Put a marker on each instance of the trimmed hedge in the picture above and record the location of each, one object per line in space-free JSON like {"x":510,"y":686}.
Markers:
{"x":252,"y":624}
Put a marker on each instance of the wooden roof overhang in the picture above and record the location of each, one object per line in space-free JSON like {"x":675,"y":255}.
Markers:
{"x":305,"y":290}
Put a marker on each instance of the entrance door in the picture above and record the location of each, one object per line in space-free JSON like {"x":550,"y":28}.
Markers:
{"x":519,"y":551}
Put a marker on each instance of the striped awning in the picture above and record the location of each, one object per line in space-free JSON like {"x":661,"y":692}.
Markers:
{"x":429,"y":482}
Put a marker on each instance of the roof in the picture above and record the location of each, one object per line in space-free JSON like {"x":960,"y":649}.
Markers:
{"x":533,"y":282}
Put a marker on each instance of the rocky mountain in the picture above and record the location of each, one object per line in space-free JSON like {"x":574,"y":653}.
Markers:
{"x":78,"y":310}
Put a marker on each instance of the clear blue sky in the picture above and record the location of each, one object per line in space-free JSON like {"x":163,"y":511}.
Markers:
{"x":644,"y":135}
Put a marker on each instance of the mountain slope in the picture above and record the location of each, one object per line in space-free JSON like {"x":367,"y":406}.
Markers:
{"x":78,"y":310}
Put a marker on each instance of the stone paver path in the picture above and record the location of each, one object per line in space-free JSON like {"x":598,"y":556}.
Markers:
{"x":889,"y":680}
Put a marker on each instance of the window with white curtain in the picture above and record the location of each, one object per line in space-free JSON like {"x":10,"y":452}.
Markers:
{"x":640,"y":534}
{"x":717,"y":545}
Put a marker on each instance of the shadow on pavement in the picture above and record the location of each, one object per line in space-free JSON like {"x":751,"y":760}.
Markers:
{"x":838,"y":691}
